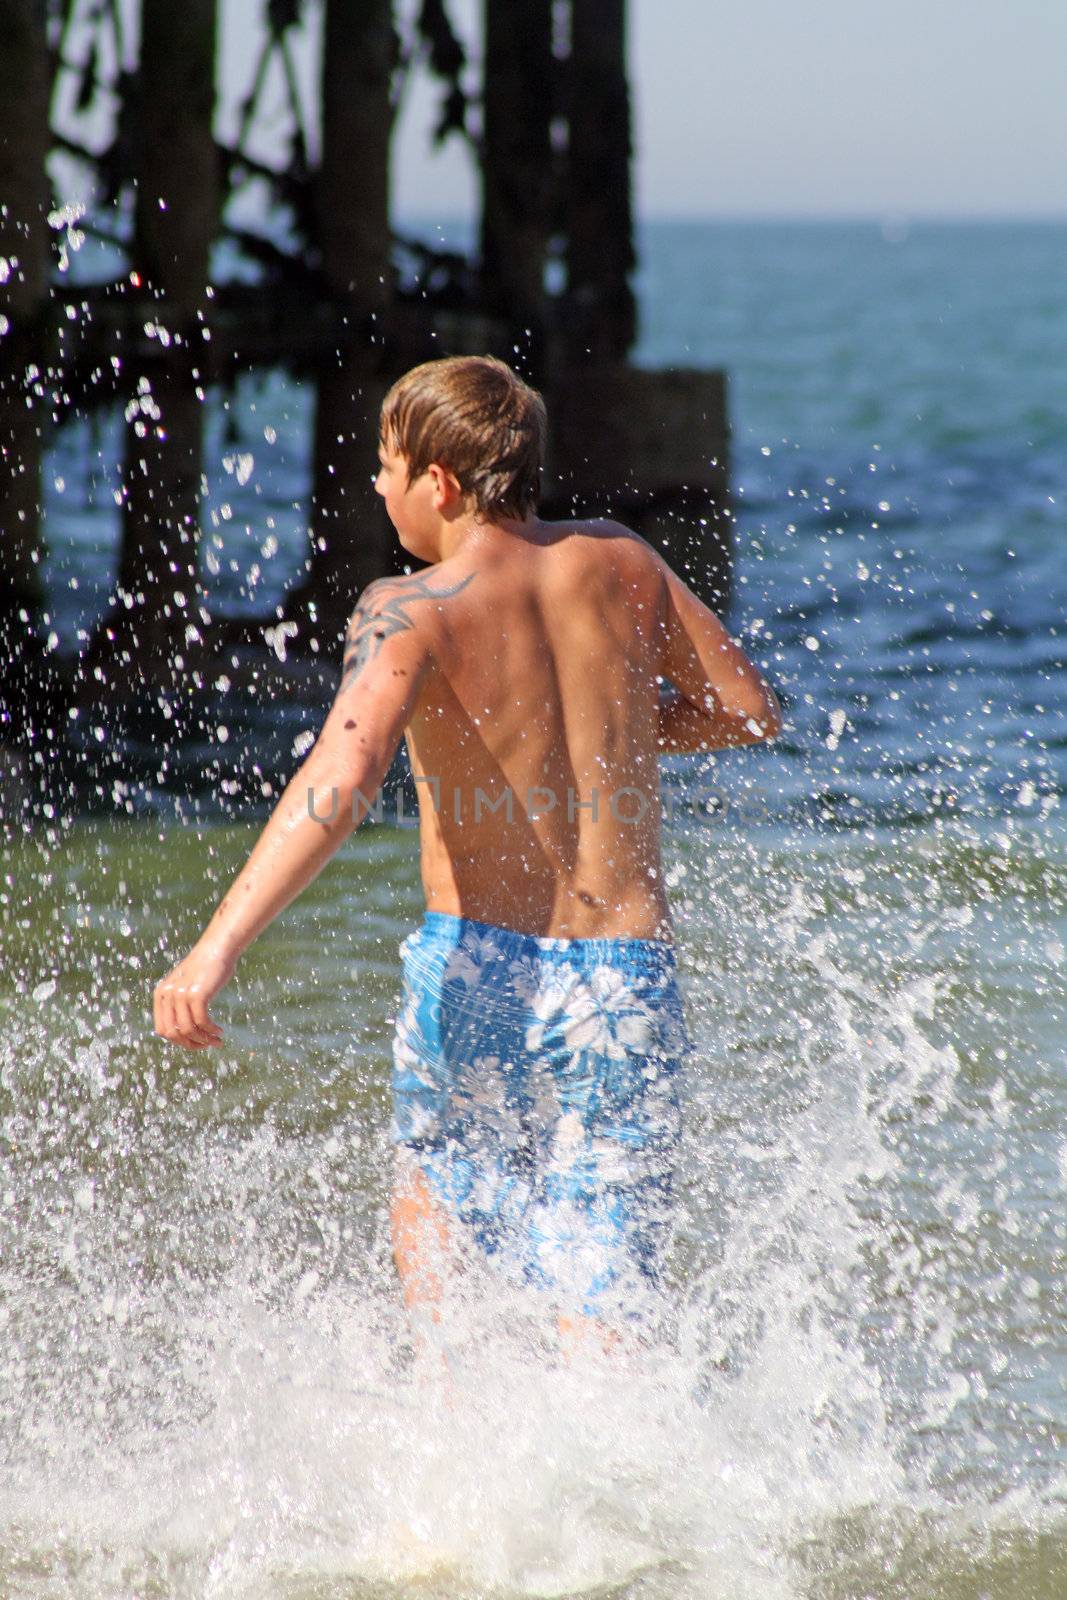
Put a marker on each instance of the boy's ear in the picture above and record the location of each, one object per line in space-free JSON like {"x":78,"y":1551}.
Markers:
{"x":446,"y":489}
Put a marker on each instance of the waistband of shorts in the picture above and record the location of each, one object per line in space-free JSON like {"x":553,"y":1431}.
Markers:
{"x":448,"y":927}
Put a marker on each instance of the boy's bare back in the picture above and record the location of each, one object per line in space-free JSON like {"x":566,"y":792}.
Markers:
{"x":542,"y":700}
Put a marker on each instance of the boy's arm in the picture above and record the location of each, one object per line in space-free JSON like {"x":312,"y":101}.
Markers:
{"x":385,"y":662}
{"x":719,"y":697}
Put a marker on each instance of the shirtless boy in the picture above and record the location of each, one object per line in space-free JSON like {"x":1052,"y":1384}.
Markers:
{"x":541,"y":1028}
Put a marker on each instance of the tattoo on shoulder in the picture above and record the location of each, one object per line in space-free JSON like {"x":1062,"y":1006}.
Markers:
{"x":375,"y":620}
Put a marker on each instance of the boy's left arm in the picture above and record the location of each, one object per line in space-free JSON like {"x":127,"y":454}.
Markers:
{"x":386,"y":661}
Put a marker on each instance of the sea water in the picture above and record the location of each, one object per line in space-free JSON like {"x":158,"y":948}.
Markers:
{"x":208,"y":1382}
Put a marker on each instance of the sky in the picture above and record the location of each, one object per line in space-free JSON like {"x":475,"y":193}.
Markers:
{"x":893,"y":109}
{"x":954,"y":108}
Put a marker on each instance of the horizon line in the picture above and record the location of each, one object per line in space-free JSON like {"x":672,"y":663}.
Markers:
{"x":896,"y":216}
{"x":875,"y":218}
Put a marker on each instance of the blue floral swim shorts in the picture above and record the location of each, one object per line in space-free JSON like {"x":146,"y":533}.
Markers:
{"x":535,"y":1084}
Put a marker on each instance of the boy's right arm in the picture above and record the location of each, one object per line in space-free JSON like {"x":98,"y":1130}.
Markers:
{"x":387,"y":656}
{"x":720,"y":698}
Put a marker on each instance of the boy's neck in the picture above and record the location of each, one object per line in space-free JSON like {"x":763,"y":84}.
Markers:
{"x":466,"y":533}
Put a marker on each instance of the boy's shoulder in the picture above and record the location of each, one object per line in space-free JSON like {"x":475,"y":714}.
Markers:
{"x":611,"y":531}
{"x":387,"y":622}
{"x":629,"y":549}
{"x":397,"y":594}
{"x":407,"y":609}
{"x":597,"y":527}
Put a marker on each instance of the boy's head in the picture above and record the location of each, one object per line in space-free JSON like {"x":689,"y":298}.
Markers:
{"x":475,"y":417}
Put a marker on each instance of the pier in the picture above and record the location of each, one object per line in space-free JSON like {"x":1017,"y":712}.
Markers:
{"x":549,"y":287}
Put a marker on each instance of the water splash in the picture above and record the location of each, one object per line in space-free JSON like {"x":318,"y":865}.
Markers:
{"x":209,"y":1386}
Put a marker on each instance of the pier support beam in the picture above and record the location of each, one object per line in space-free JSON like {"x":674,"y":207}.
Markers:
{"x":352,"y":189}
{"x":600,"y":321}
{"x":25,"y":88}
{"x":517,"y":162}
{"x":178,"y":200}
{"x":29,"y":685}
{"x":351,"y":539}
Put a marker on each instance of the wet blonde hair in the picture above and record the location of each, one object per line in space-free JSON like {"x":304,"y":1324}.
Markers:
{"x":475,"y":416}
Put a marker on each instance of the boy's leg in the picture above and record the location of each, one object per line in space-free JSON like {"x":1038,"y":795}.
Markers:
{"x":422,"y":1252}
{"x":421,"y":1242}
{"x":621,"y":1171}
{"x":576,"y":1331}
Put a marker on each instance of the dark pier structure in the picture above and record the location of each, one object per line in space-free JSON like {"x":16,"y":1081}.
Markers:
{"x":336,"y":298}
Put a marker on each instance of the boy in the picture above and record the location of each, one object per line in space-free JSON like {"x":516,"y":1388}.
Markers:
{"x":541,"y":1026}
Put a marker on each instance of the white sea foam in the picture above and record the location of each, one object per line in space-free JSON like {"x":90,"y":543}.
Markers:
{"x":208,"y":1384}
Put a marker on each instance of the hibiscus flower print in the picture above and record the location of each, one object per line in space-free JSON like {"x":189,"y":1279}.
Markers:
{"x":549,"y":1002}
{"x":467,"y":963}
{"x":602,"y":1012}
{"x":523,"y":978}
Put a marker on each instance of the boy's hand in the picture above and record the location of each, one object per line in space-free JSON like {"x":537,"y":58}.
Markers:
{"x":180,"y":1001}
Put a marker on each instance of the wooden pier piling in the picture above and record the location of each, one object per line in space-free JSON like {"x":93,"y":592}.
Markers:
{"x":351,"y":541}
{"x":518,"y":103}
{"x":178,"y":199}
{"x":601,"y":322}
{"x":26,"y":341}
